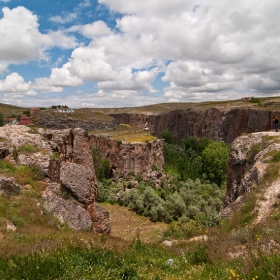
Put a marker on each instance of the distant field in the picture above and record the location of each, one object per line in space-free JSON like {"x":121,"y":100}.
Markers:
{"x":266,"y":104}
{"x":126,"y":133}
{"x":10,"y":109}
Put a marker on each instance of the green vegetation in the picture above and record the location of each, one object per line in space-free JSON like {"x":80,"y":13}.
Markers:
{"x":197,"y":158}
{"x":2,"y":139}
{"x":23,"y":174}
{"x":33,"y":129}
{"x":101,"y":166}
{"x":27,"y":149}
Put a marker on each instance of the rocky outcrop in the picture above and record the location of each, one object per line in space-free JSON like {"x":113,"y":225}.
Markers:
{"x":79,"y":180}
{"x":8,"y":186}
{"x":247,"y":165}
{"x":64,"y":157}
{"x":65,"y":208}
{"x":219,"y":123}
{"x":100,"y":217}
{"x":130,"y":157}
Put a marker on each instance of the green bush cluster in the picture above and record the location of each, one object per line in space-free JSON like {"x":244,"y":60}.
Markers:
{"x":173,"y":200}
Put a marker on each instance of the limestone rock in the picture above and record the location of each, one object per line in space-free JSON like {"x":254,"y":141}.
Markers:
{"x":129,"y":157}
{"x":218,"y":123}
{"x":67,"y":210}
{"x":79,"y":180}
{"x":19,"y":135}
{"x":7,"y":185}
{"x":100,"y":218}
{"x":243,"y":172}
{"x":11,"y":226}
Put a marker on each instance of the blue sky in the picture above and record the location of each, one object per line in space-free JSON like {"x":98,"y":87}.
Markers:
{"x":118,"y":53}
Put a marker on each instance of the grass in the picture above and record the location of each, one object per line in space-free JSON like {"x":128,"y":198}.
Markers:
{"x":23,"y":175}
{"x":28,"y":149}
{"x":2,"y":139}
{"x":128,"y":134}
{"x":8,"y":110}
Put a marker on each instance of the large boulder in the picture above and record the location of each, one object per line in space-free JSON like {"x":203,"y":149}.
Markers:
{"x":66,"y":208}
{"x":80,"y":181}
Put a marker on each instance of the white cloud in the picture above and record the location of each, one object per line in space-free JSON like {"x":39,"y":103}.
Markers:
{"x":66,"y":18}
{"x":203,"y":50}
{"x":21,"y":41}
{"x":14,"y":84}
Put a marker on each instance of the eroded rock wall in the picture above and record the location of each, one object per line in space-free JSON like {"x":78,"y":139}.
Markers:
{"x":223,"y":124}
{"x":130,"y":157}
{"x":247,"y":164}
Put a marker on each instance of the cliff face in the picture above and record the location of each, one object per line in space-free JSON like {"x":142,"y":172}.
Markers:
{"x":247,"y":164}
{"x":215,"y":123}
{"x":127,"y":157}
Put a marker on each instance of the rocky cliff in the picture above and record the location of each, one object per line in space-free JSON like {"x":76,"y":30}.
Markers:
{"x":129,"y":157}
{"x":248,"y":162}
{"x":219,"y":123}
{"x":64,"y":158}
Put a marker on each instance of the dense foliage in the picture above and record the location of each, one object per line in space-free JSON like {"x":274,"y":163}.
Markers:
{"x":172,"y":200}
{"x":101,"y":166}
{"x":197,"y":158}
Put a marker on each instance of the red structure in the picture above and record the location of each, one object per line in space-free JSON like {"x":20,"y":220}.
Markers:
{"x":25,"y":120}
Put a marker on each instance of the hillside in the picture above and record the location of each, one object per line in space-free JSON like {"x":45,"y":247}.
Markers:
{"x":7,"y":109}
{"x":35,"y":244}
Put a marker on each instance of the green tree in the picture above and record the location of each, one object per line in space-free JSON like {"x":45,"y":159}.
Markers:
{"x":214,"y":159}
{"x":101,"y":166}
{"x":1,"y":119}
{"x":167,"y":136}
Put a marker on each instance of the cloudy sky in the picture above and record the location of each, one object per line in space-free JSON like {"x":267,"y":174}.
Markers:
{"x":118,"y":53}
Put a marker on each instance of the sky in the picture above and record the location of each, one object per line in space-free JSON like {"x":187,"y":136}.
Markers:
{"x":124,"y":53}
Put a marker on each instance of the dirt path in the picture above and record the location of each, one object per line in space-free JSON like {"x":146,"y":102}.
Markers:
{"x":265,"y":205}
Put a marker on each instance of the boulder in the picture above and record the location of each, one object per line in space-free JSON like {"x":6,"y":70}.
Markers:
{"x":80,"y":181}
{"x":100,"y":218}
{"x":66,"y":208}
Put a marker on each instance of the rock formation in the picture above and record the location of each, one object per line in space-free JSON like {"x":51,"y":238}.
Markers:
{"x":247,"y":166}
{"x":130,"y":157}
{"x":219,"y":123}
{"x":74,"y":186}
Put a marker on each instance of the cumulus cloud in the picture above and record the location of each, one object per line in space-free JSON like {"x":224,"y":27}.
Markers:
{"x":21,"y":40}
{"x":95,"y":29}
{"x":202,"y":50}
{"x":15,"y":84}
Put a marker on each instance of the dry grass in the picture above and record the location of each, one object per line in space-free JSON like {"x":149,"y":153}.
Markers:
{"x":126,"y":225}
{"x":7,"y":109}
{"x":127,"y":133}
